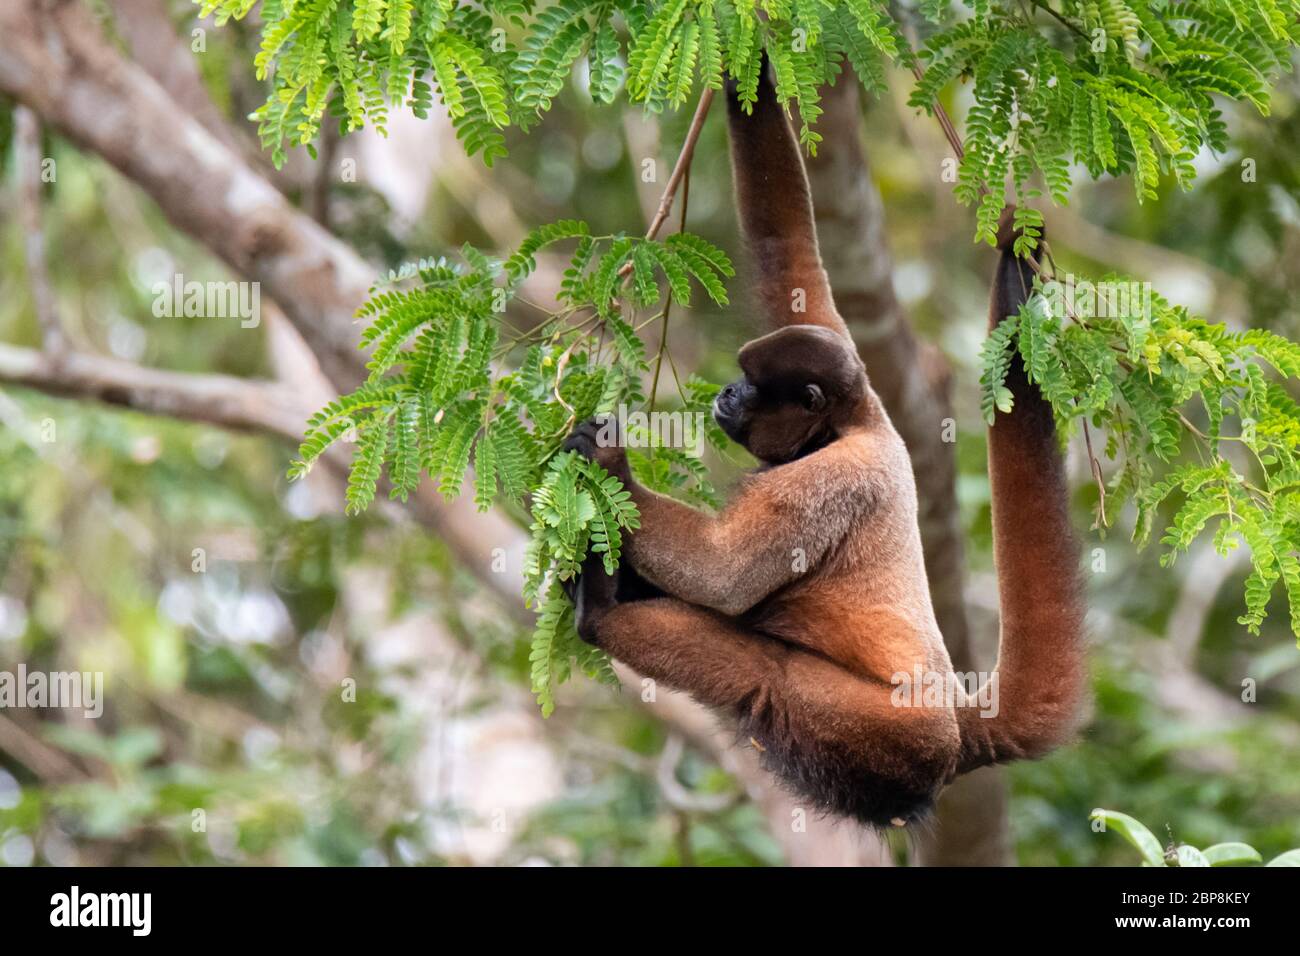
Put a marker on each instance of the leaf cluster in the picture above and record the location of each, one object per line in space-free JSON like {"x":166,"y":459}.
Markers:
{"x":1124,"y":360}
{"x":453,"y":395}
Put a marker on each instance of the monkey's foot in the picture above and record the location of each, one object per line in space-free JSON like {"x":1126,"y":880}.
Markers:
{"x":593,"y":593}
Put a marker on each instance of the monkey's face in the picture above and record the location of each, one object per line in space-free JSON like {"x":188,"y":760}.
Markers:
{"x":800,"y":384}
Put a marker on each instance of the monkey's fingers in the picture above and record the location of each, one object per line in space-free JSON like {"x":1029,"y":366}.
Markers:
{"x":589,"y":436}
{"x":570,"y":588}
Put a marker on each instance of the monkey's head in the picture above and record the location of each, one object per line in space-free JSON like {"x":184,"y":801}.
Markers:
{"x":801,"y":385}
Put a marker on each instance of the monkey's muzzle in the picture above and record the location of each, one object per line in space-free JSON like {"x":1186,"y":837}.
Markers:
{"x":731,"y":409}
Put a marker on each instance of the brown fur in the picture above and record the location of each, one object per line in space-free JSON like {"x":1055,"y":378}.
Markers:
{"x":794,"y":607}
{"x":776,"y":212}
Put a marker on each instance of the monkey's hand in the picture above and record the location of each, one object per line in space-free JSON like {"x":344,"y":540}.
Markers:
{"x":599,"y":440}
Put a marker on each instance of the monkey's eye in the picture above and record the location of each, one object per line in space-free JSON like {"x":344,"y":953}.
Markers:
{"x":812,"y":398}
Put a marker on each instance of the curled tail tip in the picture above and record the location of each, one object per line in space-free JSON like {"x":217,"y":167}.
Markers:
{"x":1007,"y":231}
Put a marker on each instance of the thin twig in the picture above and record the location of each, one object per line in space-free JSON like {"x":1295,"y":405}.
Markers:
{"x":27,"y":149}
{"x":678,"y":796}
{"x":941,"y":114}
{"x":48,"y":763}
{"x":322,"y":181}
{"x":663,"y":335}
{"x":1041,"y":5}
{"x":679,"y":170}
{"x":955,"y":141}
{"x":683,"y":163}
{"x":1095,"y":466}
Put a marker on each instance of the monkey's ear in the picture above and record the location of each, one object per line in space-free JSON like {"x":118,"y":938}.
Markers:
{"x":774,"y":203}
{"x":812,"y":397}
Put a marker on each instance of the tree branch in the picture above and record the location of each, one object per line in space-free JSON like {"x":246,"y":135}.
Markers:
{"x":679,"y":171}
{"x":683,"y":163}
{"x":55,"y":59}
{"x":48,"y":763}
{"x":241,"y":404}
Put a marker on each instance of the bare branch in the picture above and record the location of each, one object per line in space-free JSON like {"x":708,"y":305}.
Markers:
{"x":244,"y":404}
{"x":679,"y":171}
{"x":683,"y":163}
{"x":48,"y":763}
{"x":1206,"y":574}
{"x":675,"y":793}
{"x":274,"y":408}
{"x":157,"y":48}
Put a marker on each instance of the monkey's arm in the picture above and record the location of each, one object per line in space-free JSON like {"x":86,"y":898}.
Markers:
{"x":780,"y":526}
{"x":776,"y":212}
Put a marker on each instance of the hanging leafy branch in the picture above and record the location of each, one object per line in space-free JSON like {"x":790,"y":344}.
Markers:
{"x":1130,"y":366}
{"x":448,"y":398}
{"x":1120,"y":87}
{"x":501,"y":63}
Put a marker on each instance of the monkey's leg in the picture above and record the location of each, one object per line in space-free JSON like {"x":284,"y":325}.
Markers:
{"x":840,"y":740}
{"x":691,"y":648}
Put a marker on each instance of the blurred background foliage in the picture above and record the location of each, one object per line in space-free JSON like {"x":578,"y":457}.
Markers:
{"x":230,"y":734}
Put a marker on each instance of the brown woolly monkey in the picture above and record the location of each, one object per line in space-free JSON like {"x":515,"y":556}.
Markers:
{"x":794,"y":609}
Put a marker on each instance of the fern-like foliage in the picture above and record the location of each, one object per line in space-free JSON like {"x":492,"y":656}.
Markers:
{"x":1118,"y":86}
{"x":448,"y":397}
{"x":577,"y":508}
{"x":1144,"y":371}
